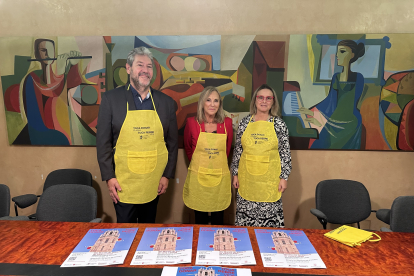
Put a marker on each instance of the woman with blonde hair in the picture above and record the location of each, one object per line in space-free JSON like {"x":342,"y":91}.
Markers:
{"x":261,"y":162}
{"x":207,"y":142}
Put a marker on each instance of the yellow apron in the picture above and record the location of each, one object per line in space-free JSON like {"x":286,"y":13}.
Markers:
{"x":140,"y":156}
{"x":259,"y":167}
{"x":207,"y":187}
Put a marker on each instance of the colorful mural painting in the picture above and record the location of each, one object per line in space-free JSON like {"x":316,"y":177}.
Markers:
{"x":350,"y":92}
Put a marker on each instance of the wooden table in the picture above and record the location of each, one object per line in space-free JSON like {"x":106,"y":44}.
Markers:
{"x":50,"y":243}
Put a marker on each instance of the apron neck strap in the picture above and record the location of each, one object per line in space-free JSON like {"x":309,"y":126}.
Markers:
{"x":378,"y":238}
{"x":251,"y":117}
{"x":153,"y":104}
{"x":201,"y":130}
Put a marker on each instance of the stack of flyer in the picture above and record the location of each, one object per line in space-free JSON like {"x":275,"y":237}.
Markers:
{"x":101,"y":247}
{"x":287,"y":248}
{"x":224,"y":246}
{"x":201,"y":270}
{"x":164,"y":245}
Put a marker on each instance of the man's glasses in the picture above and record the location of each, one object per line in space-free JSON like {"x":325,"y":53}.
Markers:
{"x":266,"y":99}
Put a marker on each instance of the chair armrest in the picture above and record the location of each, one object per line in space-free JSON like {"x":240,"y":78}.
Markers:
{"x":319,"y":214}
{"x":24,"y":201}
{"x":32,"y":217}
{"x":97,"y":220}
{"x":384,"y":215}
{"x":385,"y":229}
{"x":14,"y":218}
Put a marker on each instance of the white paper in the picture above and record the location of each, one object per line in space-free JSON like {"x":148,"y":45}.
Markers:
{"x":209,"y":249}
{"x":100,"y":247}
{"x":164,"y":245}
{"x":287,"y":241}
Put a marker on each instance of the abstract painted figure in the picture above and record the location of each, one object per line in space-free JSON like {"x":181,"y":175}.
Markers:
{"x":337,"y":117}
{"x":42,"y":96}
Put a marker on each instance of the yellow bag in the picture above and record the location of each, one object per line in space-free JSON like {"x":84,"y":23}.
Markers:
{"x":351,"y":236}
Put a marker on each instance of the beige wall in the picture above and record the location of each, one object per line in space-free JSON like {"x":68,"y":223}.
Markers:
{"x":385,"y":174}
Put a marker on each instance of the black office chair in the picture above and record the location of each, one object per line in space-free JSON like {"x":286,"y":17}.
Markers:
{"x":68,"y":202}
{"x":341,"y":201}
{"x":62,"y":176}
{"x":4,"y":200}
{"x":5,"y":204}
{"x":400,"y":217}
{"x":384,"y":215}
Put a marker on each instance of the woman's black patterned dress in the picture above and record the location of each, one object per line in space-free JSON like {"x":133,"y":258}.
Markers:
{"x":262,"y":214}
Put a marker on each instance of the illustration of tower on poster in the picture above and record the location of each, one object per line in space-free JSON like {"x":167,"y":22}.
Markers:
{"x":284,"y":243}
{"x":223,"y":240}
{"x":106,"y":241}
{"x":206,"y":271}
{"x":166,"y":241}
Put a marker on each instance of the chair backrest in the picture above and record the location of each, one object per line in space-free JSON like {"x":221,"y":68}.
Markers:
{"x":343,"y":201}
{"x":67,"y":202}
{"x":68,"y":176}
{"x":4,"y":200}
{"x":402,"y":214}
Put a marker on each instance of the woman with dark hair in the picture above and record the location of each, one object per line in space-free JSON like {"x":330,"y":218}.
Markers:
{"x":337,"y":117}
{"x":207,"y":143}
{"x":261,"y":162}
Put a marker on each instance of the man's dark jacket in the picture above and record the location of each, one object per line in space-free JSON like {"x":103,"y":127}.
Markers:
{"x":112,"y":113}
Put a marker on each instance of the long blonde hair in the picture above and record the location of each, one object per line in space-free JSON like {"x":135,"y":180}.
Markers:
{"x":219,"y":118}
{"x":274,"y":110}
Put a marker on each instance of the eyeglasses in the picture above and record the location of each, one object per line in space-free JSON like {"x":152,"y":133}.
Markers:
{"x":266,"y":99}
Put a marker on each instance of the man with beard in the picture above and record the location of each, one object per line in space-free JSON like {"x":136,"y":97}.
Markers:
{"x":137,"y":142}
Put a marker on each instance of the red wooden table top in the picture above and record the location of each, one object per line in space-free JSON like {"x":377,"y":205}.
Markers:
{"x":50,"y":243}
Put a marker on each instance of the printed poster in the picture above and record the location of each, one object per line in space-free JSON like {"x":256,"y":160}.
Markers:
{"x":100,"y":247}
{"x":164,"y":245}
{"x":287,"y":248}
{"x":202,"y":270}
{"x":224,"y":246}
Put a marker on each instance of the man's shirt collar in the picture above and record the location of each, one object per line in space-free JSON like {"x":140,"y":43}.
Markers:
{"x":136,"y":94}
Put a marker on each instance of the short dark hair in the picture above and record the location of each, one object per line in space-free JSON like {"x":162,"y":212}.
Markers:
{"x":357,"y":49}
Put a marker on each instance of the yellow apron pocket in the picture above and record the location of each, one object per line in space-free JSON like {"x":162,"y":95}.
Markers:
{"x":256,"y":164}
{"x":142,"y":162}
{"x":209,"y":177}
